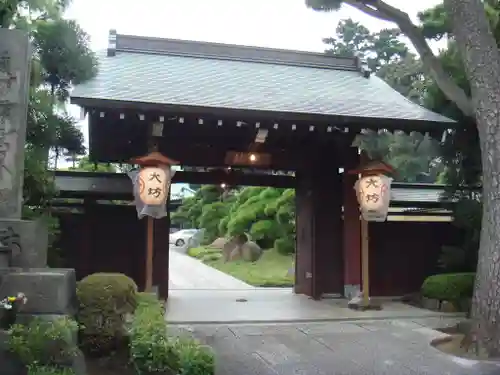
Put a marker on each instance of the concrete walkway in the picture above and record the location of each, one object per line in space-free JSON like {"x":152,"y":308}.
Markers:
{"x":189,"y":273}
{"x":390,"y":347}
{"x":265,"y":305}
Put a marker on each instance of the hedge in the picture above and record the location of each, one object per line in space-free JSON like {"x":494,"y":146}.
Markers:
{"x":452,"y":287}
{"x":105,"y":300}
{"x":152,"y":351}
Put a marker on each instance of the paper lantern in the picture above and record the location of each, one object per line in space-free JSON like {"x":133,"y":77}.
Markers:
{"x":374,"y":196}
{"x":153,"y":184}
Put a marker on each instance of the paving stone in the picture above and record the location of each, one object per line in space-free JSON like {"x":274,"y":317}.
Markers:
{"x":262,"y":330}
{"x":333,"y":349}
{"x":324,"y":328}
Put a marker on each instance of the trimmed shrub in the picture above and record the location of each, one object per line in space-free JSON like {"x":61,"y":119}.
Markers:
{"x":150,"y":351}
{"x":45,"y":342}
{"x":453,"y":287}
{"x":285,"y":246}
{"x":105,"y":301}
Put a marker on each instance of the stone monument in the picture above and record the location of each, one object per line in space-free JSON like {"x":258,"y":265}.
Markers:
{"x":23,"y":244}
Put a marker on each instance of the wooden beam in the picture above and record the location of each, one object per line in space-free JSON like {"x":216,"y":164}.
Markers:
{"x":118,"y":186}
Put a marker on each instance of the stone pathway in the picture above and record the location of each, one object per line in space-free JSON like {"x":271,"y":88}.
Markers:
{"x":390,"y":347}
{"x":265,"y":305}
{"x":189,"y":273}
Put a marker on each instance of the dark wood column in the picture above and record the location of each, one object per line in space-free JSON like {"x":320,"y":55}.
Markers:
{"x":319,"y":258}
{"x":161,"y":236}
{"x":304,"y":256}
{"x":352,"y":229}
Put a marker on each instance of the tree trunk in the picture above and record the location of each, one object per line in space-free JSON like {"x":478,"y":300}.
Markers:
{"x":482,"y":62}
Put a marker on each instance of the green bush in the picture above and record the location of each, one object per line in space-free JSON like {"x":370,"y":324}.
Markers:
{"x":194,"y":358}
{"x":105,"y":300}
{"x":49,"y":370}
{"x":452,"y":287}
{"x":44,"y":342}
{"x":202,"y":252}
{"x":150,"y":350}
{"x":285,"y":246}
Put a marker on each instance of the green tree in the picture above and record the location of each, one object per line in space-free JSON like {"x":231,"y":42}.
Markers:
{"x":85,"y":165}
{"x":64,"y":57}
{"x":413,"y":156}
{"x":22,"y":13}
{"x":475,"y":35}
{"x":191,"y":210}
{"x":64,"y":54}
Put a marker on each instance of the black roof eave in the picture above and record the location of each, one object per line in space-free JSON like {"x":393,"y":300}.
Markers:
{"x":354,"y":123}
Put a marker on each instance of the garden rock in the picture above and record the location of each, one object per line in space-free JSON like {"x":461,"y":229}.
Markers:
{"x":250,"y":251}
{"x":219,"y":243}
{"x":228,"y":249}
{"x":235,"y":254}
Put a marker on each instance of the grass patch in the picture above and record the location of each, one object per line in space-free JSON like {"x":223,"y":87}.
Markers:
{"x":271,"y":270}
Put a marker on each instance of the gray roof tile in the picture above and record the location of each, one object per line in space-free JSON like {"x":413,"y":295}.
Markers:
{"x":190,"y":80}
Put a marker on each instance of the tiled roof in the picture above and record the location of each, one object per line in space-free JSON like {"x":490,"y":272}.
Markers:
{"x":222,"y":76}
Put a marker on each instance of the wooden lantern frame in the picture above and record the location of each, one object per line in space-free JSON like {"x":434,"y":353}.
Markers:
{"x":371,"y":168}
{"x":153,"y":159}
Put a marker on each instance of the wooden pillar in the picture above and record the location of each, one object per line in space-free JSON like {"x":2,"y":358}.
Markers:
{"x":304,"y":261}
{"x":161,"y":254}
{"x":352,"y":229}
{"x":328,"y":234}
{"x":318,"y":266}
{"x":89,"y":238}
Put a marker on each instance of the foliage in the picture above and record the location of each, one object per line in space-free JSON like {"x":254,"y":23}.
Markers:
{"x":38,"y":188}
{"x":62,"y":48}
{"x":452,"y":287}
{"x":194,"y":358}
{"x":211,"y":214}
{"x":61,"y":57}
{"x":271,"y":270}
{"x":189,"y":213}
{"x":105,"y":299}
{"x":265,"y":214}
{"x":55,"y":258}
{"x":44,"y":342}
{"x":49,"y":370}
{"x":463,"y":258}
{"x":150,"y":350}
{"x":85,"y":165}
{"x":414,"y":155}
{"x":23,"y":13}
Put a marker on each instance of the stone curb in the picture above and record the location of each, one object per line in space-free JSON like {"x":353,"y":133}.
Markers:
{"x":318,"y":320}
{"x":447,"y":338}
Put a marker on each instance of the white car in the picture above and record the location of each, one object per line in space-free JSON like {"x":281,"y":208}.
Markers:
{"x":181,"y":237}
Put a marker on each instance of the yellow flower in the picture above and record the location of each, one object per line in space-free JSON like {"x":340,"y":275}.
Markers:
{"x":11,"y":299}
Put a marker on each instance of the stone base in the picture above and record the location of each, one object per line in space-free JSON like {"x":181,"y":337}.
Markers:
{"x":358,"y":304}
{"x":351,"y":290}
{"x":29,"y":240}
{"x":372,"y":305}
{"x":49,"y":290}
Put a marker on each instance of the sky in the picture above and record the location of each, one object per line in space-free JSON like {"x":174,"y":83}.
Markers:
{"x":286,"y":24}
